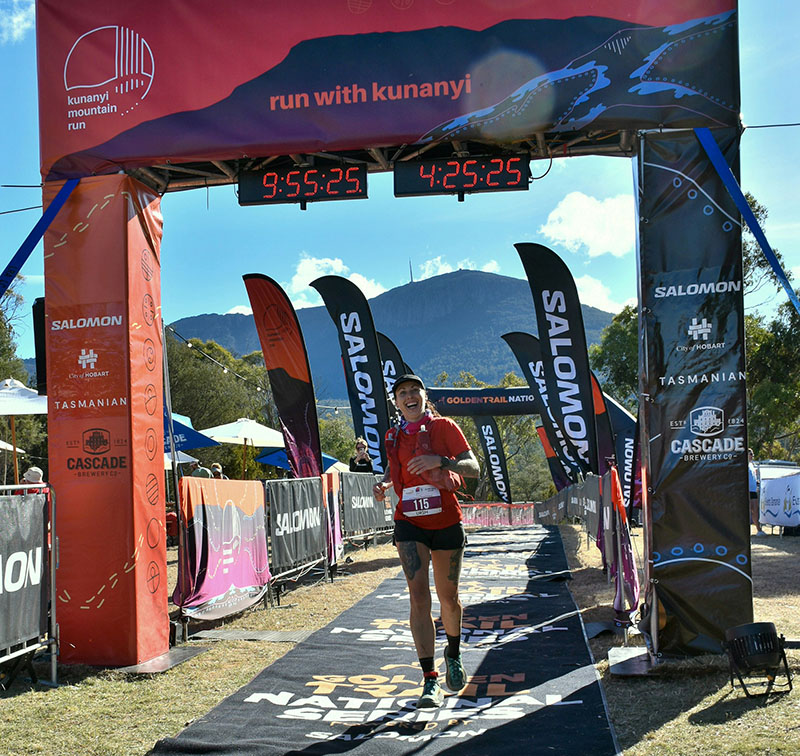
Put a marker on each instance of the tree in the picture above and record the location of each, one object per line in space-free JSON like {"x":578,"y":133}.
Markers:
{"x":756,"y":269}
{"x":30,"y":430}
{"x":616,"y":358}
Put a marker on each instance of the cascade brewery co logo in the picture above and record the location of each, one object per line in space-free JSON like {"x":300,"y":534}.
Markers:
{"x":706,"y":421}
{"x":707,"y":424}
{"x":107,"y":73}
{"x":96,"y":441}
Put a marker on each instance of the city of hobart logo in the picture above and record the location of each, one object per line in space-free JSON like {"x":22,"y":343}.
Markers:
{"x":96,"y":441}
{"x":706,"y":421}
{"x":108,"y":72}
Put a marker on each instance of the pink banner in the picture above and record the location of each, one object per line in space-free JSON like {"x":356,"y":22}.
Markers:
{"x":222,"y":567}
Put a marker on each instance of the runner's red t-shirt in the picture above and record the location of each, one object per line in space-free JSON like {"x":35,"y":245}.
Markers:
{"x":447,"y":440}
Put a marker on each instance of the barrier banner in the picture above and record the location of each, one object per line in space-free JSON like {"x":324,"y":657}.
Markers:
{"x":361,"y":358}
{"x":331,"y":486}
{"x":105,"y":427}
{"x":115,"y":93}
{"x":495,"y":456}
{"x":297,"y":523}
{"x":694,"y":450}
{"x":24,"y":568}
{"x":223,"y":566}
{"x":360,"y":511}
{"x":289,"y":374}
{"x":560,"y":479}
{"x":528,"y":353}
{"x":624,"y":427}
{"x":468,"y":402}
{"x":563,"y":348}
{"x":780,"y":501}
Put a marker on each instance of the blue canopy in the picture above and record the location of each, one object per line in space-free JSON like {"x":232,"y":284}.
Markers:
{"x":185,"y":437}
{"x":277,"y":458}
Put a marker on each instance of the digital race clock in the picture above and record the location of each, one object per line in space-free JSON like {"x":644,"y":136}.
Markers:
{"x":302,"y":184}
{"x":461,"y":175}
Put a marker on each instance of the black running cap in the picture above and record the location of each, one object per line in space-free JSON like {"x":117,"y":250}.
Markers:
{"x":405,"y":378}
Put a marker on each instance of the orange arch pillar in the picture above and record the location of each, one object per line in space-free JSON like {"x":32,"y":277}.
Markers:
{"x":105,"y":421}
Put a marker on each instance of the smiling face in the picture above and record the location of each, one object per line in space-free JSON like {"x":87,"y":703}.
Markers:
{"x":410,"y":398}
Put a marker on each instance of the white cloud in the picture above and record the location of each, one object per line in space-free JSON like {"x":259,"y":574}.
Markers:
{"x":16,"y":19}
{"x":311,"y":268}
{"x":596,"y":294}
{"x":601,"y":226}
{"x":435,"y":267}
{"x":438,"y":266}
{"x":240,"y":310}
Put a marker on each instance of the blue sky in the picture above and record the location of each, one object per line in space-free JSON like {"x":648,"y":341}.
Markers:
{"x":583,"y":208}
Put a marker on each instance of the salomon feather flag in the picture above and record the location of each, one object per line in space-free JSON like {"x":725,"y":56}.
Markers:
{"x":495,"y":456}
{"x":563,"y":340}
{"x":527,"y":350}
{"x":289,"y":375}
{"x":624,"y":425}
{"x":392,"y":362}
{"x":606,"y":446}
{"x":560,"y":479}
{"x":361,"y":358}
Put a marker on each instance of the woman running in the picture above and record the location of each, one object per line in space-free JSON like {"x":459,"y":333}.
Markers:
{"x":427,"y":455}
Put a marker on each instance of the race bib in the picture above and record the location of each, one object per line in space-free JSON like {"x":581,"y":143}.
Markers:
{"x":420,"y":501}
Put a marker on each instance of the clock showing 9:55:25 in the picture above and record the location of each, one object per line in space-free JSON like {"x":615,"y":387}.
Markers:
{"x":461,"y":175}
{"x":302,"y":184}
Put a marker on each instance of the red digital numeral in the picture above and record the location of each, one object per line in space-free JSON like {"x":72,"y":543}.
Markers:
{"x":350,"y":180}
{"x":422,"y":173}
{"x":513,"y":171}
{"x":295,"y":184}
{"x":308,"y":181}
{"x":495,"y":172}
{"x":451,"y":174}
{"x":270,"y":182}
{"x":467,"y":172}
{"x":339,"y":174}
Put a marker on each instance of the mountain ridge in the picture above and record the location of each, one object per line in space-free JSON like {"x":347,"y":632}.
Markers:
{"x":447,"y":323}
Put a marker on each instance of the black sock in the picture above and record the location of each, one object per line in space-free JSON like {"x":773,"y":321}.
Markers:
{"x":453,"y":646}
{"x":427,"y":666}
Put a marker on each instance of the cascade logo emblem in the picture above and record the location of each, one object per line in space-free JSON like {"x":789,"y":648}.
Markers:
{"x":96,"y":441}
{"x":706,"y":421}
{"x":108,"y":72}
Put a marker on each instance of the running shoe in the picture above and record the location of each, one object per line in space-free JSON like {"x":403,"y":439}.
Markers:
{"x":456,"y":677}
{"x":432,"y":695}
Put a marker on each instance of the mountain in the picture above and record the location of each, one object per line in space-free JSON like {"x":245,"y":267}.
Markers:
{"x":449,"y":323}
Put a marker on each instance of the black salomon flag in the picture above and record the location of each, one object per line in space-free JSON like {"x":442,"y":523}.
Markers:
{"x":560,"y":480}
{"x":624,"y":425}
{"x":393,"y":365}
{"x":566,"y":363}
{"x":495,"y":456}
{"x":361,"y":358}
{"x":527,"y":350}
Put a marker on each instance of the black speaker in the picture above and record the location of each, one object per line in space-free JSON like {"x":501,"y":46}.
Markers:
{"x":38,"y":344}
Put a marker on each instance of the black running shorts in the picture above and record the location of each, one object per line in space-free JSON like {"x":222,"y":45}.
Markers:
{"x":444,"y":539}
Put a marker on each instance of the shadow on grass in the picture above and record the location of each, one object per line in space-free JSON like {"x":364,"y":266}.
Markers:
{"x":732,"y":706}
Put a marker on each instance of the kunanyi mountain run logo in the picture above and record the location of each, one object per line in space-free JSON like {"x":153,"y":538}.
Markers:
{"x":108,"y":72}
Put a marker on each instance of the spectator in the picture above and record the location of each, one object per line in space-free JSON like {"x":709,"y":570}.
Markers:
{"x":196,"y":470}
{"x":361,"y":461}
{"x":216,"y":472}
{"x":752,"y":474}
{"x":33,"y":475}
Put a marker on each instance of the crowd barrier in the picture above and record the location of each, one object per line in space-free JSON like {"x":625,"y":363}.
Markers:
{"x":27,"y":579}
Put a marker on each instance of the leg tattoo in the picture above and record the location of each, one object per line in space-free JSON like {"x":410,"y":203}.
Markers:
{"x":455,"y":566}
{"x":409,"y":558}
